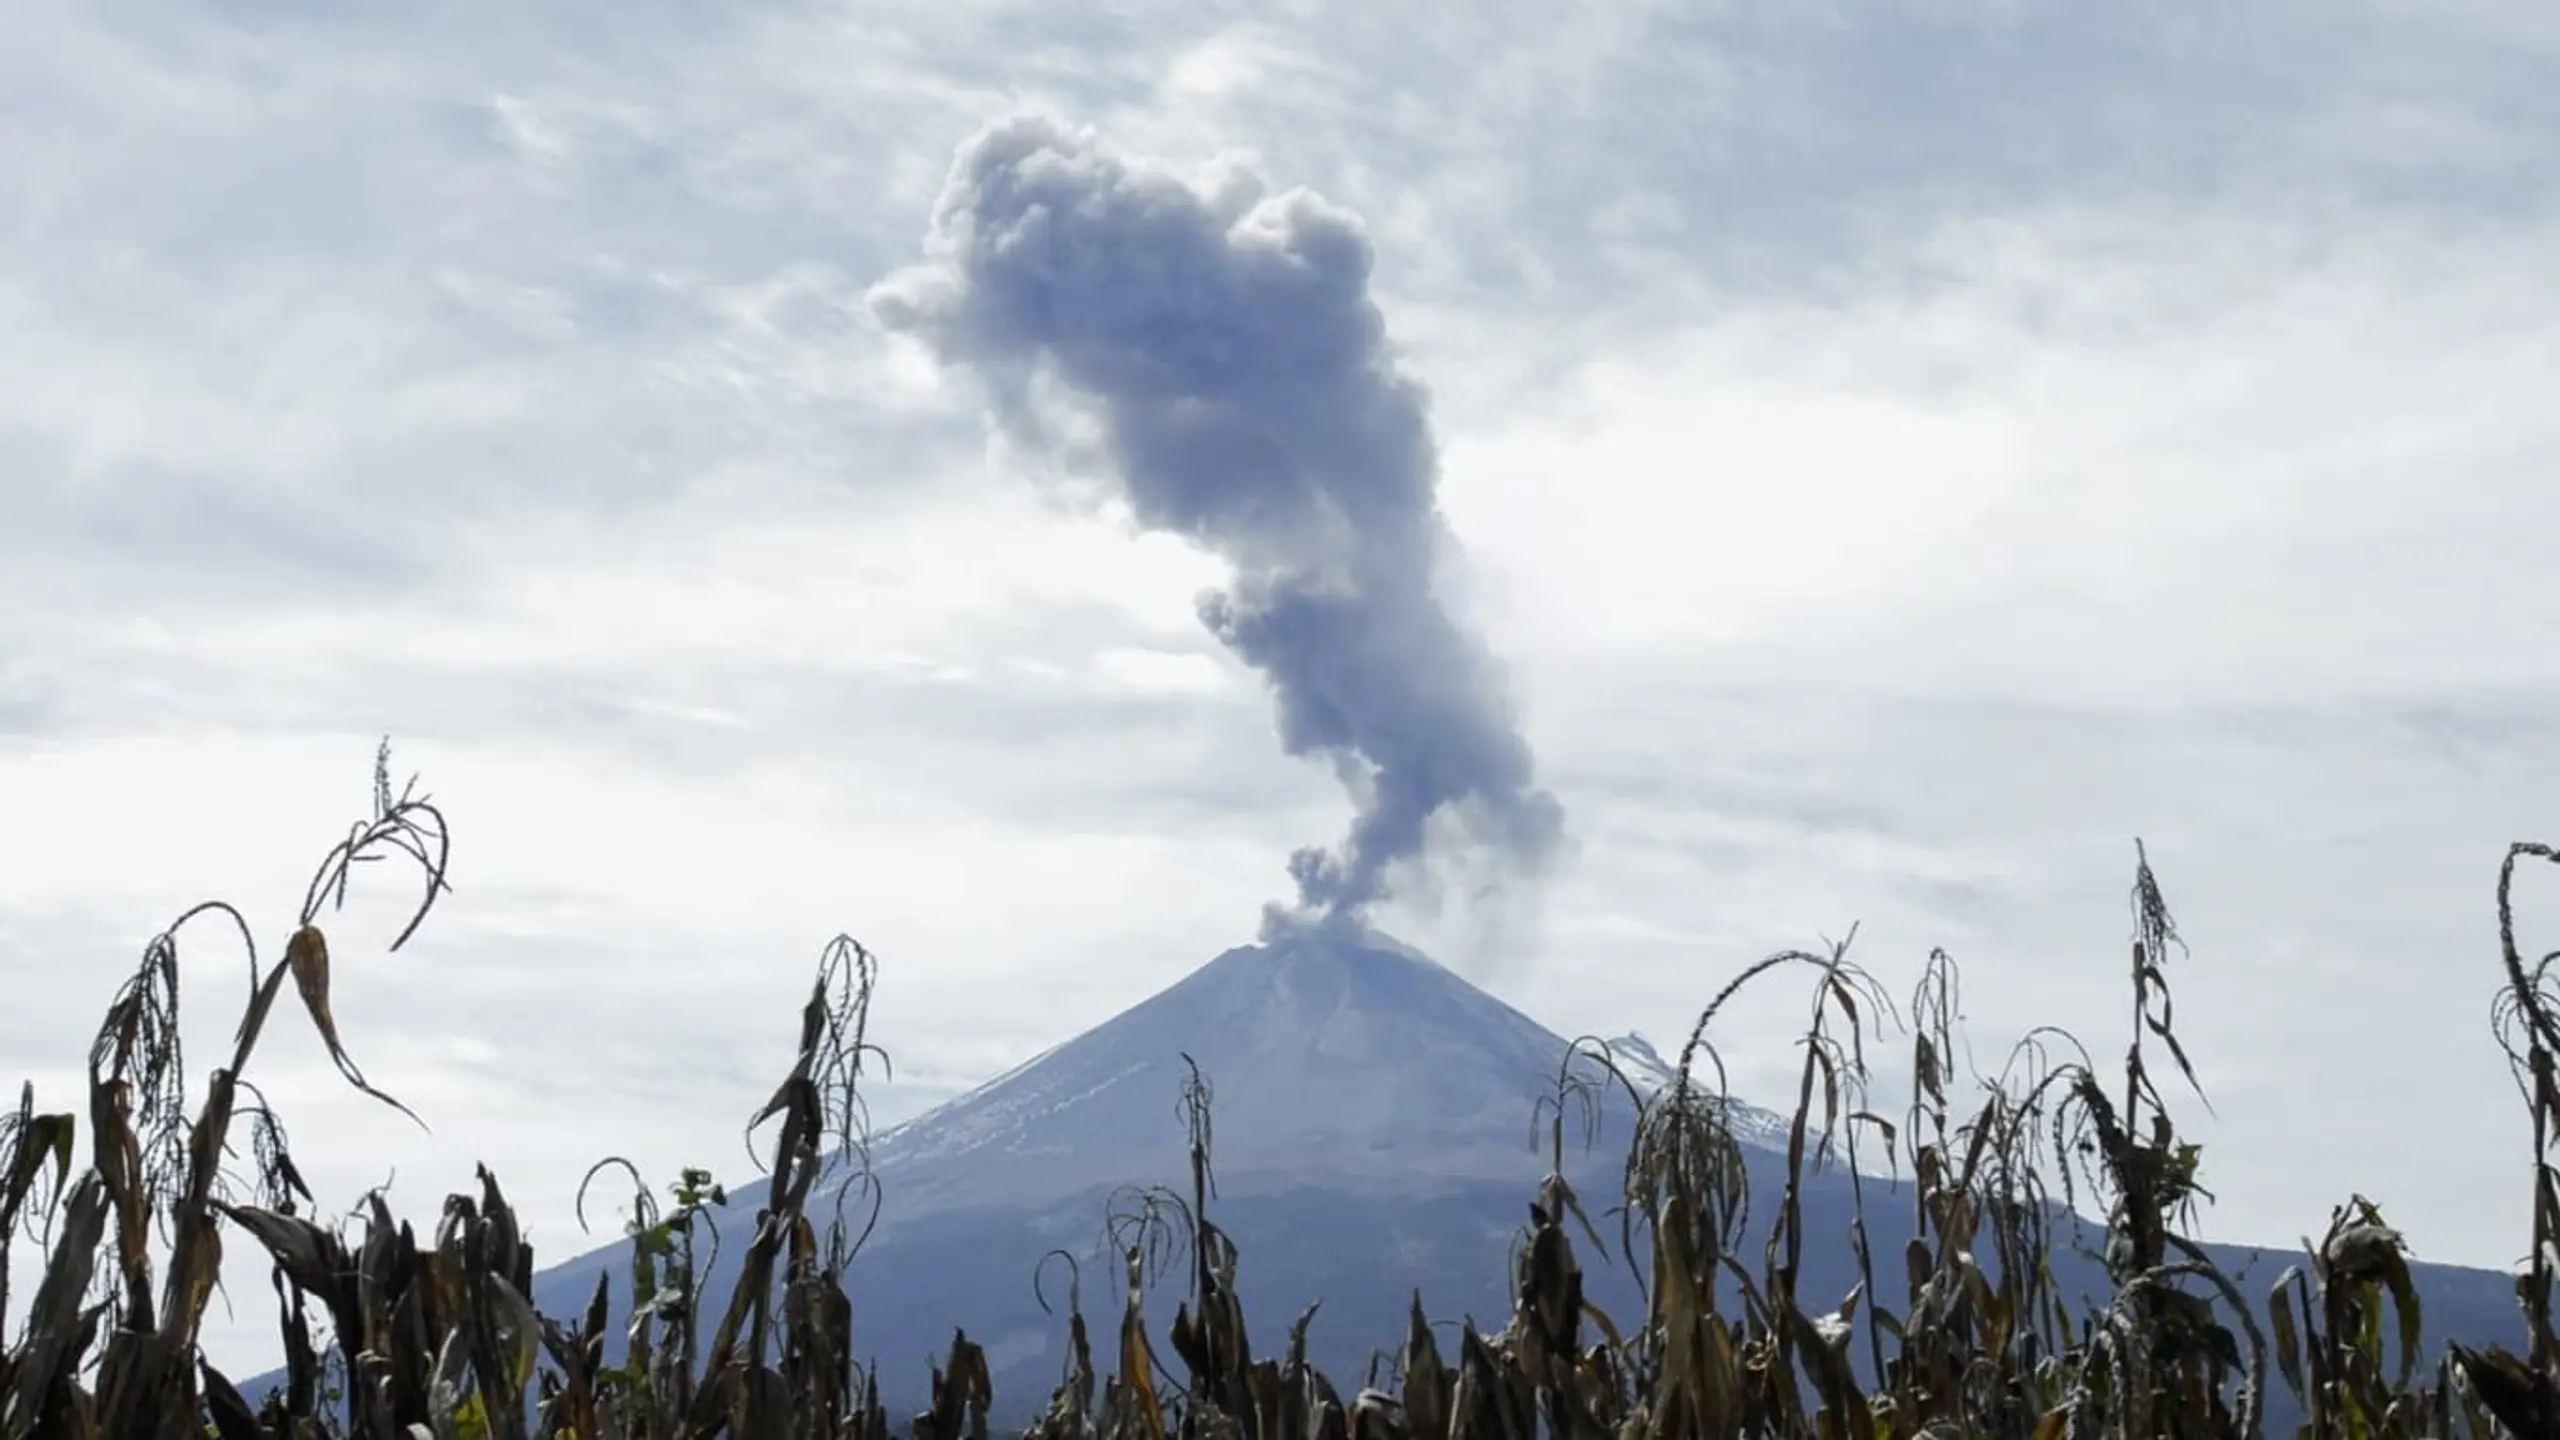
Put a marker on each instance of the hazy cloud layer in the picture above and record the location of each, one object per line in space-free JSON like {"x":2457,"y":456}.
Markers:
{"x":1900,"y":451}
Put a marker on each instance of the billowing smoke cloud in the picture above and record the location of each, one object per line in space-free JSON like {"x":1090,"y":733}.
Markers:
{"x":1237,"y":379}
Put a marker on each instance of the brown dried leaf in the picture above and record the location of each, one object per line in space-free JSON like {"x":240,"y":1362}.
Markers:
{"x":307,"y":955}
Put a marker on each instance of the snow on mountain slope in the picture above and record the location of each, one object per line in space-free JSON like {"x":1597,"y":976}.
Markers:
{"x":1644,"y":1066}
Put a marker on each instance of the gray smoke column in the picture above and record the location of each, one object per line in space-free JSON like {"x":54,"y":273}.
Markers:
{"x":1227,"y":359}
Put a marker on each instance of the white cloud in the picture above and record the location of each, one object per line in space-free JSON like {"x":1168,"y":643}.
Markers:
{"x":2231,"y":461}
{"x":1902,"y":453}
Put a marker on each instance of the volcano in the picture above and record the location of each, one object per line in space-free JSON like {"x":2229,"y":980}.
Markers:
{"x":1357,"y":1064}
{"x":1375,"y":1137}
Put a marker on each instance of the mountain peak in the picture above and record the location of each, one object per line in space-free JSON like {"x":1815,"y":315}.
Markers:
{"x":1332,"y":1055}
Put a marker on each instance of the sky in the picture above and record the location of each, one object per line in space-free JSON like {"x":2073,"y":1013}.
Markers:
{"x":1888,"y":457}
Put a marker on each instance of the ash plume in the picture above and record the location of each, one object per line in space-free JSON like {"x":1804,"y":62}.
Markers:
{"x":1236,"y":381}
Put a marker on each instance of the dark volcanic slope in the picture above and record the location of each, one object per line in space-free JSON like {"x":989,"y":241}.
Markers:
{"x":1363,"y":1066}
{"x":1373,"y":1137}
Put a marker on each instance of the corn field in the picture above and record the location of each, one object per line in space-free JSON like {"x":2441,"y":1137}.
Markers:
{"x":129,"y":1201}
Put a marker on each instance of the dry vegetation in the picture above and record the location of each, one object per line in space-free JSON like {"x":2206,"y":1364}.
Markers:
{"x":386,"y":1336}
